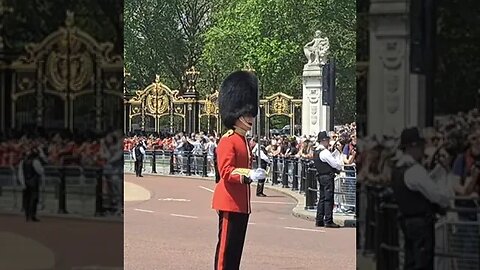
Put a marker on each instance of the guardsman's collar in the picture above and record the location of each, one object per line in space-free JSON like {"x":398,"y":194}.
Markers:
{"x":240,"y":131}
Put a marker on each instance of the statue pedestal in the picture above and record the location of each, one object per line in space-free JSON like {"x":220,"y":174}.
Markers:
{"x":315,"y":116}
{"x":395,"y":98}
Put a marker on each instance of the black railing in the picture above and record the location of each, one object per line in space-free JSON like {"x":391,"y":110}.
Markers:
{"x":382,"y":237}
{"x":297,"y":174}
{"x":66,"y":181}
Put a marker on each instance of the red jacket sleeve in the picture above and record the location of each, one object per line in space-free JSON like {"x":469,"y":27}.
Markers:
{"x":227,"y":163}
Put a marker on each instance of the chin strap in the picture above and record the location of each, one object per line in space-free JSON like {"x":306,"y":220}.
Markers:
{"x":245,"y":122}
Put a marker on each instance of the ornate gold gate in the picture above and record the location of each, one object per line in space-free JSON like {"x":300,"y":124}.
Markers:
{"x":70,"y":79}
{"x":153,"y":104}
{"x":209,"y":113}
{"x":157,"y":108}
{"x":280,"y":104}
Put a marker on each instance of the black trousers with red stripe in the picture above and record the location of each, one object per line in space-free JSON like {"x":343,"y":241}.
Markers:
{"x":232,"y":228}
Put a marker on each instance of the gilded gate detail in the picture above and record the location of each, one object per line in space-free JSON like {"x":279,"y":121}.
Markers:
{"x":281,"y":104}
{"x":157,"y":102}
{"x":64,"y":75}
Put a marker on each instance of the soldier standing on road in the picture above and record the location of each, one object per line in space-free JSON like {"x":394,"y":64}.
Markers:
{"x":327,"y":166}
{"x":30,"y":172}
{"x":138,"y":154}
{"x":238,"y":105}
{"x":419,"y":198}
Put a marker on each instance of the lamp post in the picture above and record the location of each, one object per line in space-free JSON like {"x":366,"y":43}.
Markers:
{"x":126,"y":105}
{"x":192,"y":77}
{"x":191,"y":97}
{"x":252,"y":70}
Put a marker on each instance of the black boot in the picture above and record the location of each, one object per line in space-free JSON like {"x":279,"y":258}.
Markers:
{"x":260,"y":190}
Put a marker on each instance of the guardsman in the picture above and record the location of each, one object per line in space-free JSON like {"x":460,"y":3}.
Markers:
{"x":238,"y":106}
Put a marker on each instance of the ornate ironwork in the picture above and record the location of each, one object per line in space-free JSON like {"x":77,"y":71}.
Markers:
{"x":280,"y":104}
{"x":69,"y":68}
{"x":156,"y":100}
{"x":192,"y":77}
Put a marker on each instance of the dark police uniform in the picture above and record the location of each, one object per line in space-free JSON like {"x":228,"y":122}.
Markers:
{"x":419,"y":198}
{"x":326,"y":166}
{"x":264,"y":161}
{"x":31,"y":179}
{"x":139,"y":159}
{"x":417,"y":222}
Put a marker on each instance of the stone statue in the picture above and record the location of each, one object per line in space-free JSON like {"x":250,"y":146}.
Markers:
{"x":316,"y":50}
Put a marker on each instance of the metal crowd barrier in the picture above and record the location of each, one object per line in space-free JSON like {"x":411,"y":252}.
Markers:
{"x":346,"y":190}
{"x":170,"y":162}
{"x":104,"y":185}
{"x":295,"y":173}
{"x":457,"y":240}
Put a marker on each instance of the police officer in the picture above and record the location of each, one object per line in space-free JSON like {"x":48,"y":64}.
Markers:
{"x":327,"y":166}
{"x":419,"y":198}
{"x":138,"y":154}
{"x":30,"y":171}
{"x":264,"y":161}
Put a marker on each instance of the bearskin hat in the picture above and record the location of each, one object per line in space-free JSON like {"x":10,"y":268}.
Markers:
{"x":238,"y":97}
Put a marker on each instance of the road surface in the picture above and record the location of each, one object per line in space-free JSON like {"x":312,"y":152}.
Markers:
{"x":174,"y":227}
{"x":59,"y":243}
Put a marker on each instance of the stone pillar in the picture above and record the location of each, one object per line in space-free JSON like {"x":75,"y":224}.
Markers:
{"x":395,"y":99}
{"x":315,"y":116}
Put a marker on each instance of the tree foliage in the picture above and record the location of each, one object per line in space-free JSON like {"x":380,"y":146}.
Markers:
{"x":457,"y":52}
{"x":164,"y":38}
{"x":224,"y":36}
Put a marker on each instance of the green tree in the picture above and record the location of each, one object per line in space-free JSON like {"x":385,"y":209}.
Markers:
{"x":164,"y":38}
{"x":270,"y":34}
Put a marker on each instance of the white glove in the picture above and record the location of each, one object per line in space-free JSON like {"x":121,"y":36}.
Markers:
{"x":257,"y":174}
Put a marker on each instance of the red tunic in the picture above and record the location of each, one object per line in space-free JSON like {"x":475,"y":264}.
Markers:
{"x":234,"y":161}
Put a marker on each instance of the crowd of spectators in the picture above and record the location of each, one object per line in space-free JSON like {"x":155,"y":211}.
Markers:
{"x":343,"y":145}
{"x":64,"y":148}
{"x":451,"y":156}
{"x":58,"y":148}
{"x":452,"y":139}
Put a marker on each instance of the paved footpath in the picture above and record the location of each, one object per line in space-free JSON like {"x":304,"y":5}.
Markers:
{"x":169,"y":224}
{"x":59,"y":243}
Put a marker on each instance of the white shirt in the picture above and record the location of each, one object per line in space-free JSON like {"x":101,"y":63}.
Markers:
{"x":326,"y":156}
{"x":417,"y":179}
{"x":338,"y":156}
{"x":197,"y":148}
{"x":211,"y":148}
{"x":142,"y":150}
{"x":262,"y":154}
